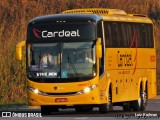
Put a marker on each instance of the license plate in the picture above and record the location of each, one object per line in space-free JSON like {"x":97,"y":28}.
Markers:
{"x":61,"y":100}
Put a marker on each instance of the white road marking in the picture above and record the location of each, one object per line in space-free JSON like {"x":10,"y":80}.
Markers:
{"x":81,"y":118}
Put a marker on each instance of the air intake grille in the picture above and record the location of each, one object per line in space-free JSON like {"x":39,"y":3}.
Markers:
{"x":61,"y":94}
{"x":96,"y":11}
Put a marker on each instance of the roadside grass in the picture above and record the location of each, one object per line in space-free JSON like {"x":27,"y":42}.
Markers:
{"x":8,"y":107}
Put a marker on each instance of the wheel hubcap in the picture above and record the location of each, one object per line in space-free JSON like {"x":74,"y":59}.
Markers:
{"x":139,"y":102}
{"x":144,"y":97}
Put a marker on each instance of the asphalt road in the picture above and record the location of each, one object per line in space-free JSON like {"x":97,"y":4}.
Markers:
{"x":152,"y":112}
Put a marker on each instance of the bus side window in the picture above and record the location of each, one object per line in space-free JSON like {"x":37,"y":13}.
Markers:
{"x":115,"y":35}
{"x":150,"y":36}
{"x":129,"y":35}
{"x":143,"y":36}
{"x":108,"y":34}
{"x":139,"y":39}
{"x":123,"y":33}
{"x":120,"y":35}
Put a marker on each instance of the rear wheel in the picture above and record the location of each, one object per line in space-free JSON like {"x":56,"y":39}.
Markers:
{"x":140,"y":104}
{"x":83,"y":108}
{"x":126,"y":106}
{"x":144,"y":100}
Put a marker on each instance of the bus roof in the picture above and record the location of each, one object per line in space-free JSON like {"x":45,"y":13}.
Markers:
{"x":55,"y":18}
{"x":112,"y":15}
{"x":96,"y":11}
{"x":92,"y":14}
{"x":126,"y":18}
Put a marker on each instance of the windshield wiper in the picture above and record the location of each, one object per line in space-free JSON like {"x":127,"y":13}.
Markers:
{"x":73,"y":67}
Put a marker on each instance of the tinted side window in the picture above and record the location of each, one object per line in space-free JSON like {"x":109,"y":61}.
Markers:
{"x":150,"y":36}
{"x":108,"y":34}
{"x":126,"y":35}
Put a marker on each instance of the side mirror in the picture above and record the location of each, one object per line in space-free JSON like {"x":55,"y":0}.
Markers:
{"x":19,"y":50}
{"x":99,"y":48}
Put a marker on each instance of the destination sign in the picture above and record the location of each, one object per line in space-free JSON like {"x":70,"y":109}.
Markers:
{"x":63,"y":33}
{"x":50,"y":32}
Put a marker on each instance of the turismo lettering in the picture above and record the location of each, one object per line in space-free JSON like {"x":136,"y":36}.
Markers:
{"x":46,"y":34}
{"x":124,"y":59}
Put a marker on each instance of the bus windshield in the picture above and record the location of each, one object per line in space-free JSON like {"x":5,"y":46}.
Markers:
{"x":61,"y":60}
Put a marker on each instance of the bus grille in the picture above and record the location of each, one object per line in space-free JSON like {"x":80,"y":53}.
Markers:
{"x":61,"y":94}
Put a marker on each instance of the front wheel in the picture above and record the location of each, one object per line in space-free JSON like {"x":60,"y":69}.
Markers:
{"x":104,"y":108}
{"x":47,"y":110}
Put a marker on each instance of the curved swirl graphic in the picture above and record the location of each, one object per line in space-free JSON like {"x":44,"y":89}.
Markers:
{"x":135,"y":40}
{"x":36,"y":33}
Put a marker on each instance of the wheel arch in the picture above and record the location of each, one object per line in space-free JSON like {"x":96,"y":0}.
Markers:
{"x":144,"y":85}
{"x":109,"y":88}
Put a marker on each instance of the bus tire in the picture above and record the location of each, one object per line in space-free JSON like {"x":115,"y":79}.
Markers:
{"x":140,"y":104}
{"x":144,"y":100}
{"x":47,"y":110}
{"x":104,"y":108}
{"x":78,"y":109}
{"x":84,"y":108}
{"x":126,"y":106}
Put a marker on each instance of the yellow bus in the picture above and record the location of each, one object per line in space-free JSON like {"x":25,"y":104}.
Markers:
{"x":86,"y":58}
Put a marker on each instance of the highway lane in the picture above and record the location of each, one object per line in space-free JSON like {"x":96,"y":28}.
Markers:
{"x":153,"y":108}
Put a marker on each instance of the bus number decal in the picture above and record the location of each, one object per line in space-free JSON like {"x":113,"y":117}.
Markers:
{"x":124,"y":72}
{"x":84,"y":84}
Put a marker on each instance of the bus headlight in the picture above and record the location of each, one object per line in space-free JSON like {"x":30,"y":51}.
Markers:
{"x":36,"y":91}
{"x":87,"y":89}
